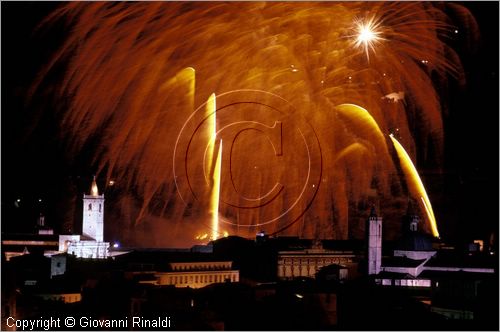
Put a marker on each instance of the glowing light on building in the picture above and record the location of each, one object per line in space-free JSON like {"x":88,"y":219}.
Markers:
{"x":93,"y":190}
{"x":415,"y":183}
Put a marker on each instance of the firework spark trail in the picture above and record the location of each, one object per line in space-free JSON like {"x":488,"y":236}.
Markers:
{"x":216,"y":194}
{"x":415,"y":183}
{"x":129,"y":78}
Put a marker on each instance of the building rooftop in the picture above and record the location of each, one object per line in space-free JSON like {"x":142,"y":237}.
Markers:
{"x":401,"y":262}
{"x":160,"y":259}
{"x":453,"y":259}
{"x":455,"y":275}
{"x":394,"y":275}
{"x":6,"y":237}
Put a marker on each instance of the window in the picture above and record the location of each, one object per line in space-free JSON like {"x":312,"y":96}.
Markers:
{"x":90,"y":207}
{"x":100,"y":206}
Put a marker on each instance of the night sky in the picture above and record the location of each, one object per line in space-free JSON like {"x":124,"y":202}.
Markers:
{"x":35,"y":166}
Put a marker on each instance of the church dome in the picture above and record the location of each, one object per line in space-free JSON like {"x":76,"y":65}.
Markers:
{"x":415,"y":241}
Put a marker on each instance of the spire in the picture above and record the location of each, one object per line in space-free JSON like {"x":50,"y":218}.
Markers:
{"x":93,"y":189}
{"x":411,"y":218}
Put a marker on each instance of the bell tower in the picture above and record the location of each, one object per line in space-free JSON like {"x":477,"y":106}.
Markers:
{"x":374,"y":234}
{"x":93,"y":214}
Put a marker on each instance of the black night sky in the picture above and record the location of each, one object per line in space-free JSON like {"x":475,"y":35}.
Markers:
{"x":34,"y":164}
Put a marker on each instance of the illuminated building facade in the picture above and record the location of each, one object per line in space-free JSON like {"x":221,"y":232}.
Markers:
{"x":195,"y":274}
{"x":306,"y":263}
{"x":62,"y":297}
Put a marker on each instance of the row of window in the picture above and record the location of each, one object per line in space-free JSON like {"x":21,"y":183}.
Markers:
{"x":297,"y":271}
{"x":202,"y":267}
{"x":405,"y":282}
{"x":313,"y":261}
{"x":204,"y":278}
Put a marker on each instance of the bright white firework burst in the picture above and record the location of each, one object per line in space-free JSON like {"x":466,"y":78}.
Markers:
{"x":368,"y":34}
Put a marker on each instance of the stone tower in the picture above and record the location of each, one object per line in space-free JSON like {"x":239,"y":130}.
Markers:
{"x":374,"y":234}
{"x":93,"y":214}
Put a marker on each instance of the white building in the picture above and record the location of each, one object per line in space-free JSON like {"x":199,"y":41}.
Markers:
{"x":413,"y":257}
{"x":374,"y":227}
{"x":91,"y":243}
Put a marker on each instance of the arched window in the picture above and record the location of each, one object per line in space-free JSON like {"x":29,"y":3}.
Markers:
{"x":100,"y":207}
{"x":90,"y":207}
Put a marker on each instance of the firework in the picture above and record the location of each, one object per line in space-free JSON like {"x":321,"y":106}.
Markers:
{"x":415,"y":183}
{"x":135,"y":72}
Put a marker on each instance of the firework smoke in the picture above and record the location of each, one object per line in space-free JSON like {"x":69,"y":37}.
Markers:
{"x":135,"y":72}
